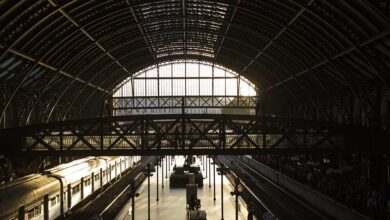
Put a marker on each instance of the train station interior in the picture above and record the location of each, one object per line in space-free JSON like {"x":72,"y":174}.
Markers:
{"x":195,"y":109}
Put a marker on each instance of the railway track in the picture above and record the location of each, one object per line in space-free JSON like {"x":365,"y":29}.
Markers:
{"x":281,"y":203}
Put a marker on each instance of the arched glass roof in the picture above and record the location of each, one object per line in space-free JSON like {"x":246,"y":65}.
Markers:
{"x":185,"y":78}
{"x":197,"y":86}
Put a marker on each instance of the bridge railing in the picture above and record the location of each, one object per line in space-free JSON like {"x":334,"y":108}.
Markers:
{"x":187,"y":104}
{"x":182,"y":134}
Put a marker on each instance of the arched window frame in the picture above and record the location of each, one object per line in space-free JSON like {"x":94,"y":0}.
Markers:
{"x":192,"y":86}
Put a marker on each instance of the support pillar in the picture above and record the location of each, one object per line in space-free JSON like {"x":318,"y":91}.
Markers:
{"x":157,"y":180}
{"x":209,"y":171}
{"x":162,"y":172}
{"x":166,"y":167}
{"x":214,"y":177}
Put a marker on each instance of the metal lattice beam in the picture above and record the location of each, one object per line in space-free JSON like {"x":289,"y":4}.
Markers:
{"x":186,"y":134}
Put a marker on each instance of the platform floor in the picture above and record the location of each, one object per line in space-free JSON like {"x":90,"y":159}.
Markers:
{"x":172,"y":202}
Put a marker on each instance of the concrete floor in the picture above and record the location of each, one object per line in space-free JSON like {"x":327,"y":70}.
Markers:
{"x":172,"y":202}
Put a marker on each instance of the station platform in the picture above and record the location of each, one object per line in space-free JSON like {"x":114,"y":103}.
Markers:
{"x":172,"y":201}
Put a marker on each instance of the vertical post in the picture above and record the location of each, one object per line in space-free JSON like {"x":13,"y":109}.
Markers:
{"x":148,"y":174}
{"x":203,"y":162}
{"x":69,"y":196}
{"x":120,"y":167}
{"x":206,"y":165}
{"x":110,"y":173}
{"x":237,"y":204}
{"x":209,"y":171}
{"x":116,"y":170}
{"x":92,"y":182}
{"x":46,"y":207}
{"x":82,"y":188}
{"x":169,"y":163}
{"x":157,"y":178}
{"x":236,"y":193}
{"x":162,"y":172}
{"x":132,"y":200}
{"x":101,"y":178}
{"x":222,"y":190}
{"x":166,"y":166}
{"x":214,"y":177}
{"x":62,"y":198}
{"x":222,"y":136}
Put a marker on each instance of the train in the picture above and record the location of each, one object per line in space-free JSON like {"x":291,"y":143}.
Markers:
{"x":55,"y":192}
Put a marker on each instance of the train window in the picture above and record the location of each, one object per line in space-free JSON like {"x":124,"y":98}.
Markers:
{"x":34,"y":212}
{"x":38,"y":210}
{"x":87,"y":182}
{"x":64,"y":196}
{"x":97,"y":177}
{"x":76,"y":189}
{"x":58,"y":198}
{"x":30,"y":214}
{"x":53,"y":201}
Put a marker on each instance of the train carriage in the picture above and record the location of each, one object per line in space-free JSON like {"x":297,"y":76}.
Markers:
{"x":57,"y":190}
